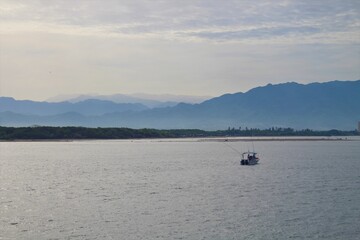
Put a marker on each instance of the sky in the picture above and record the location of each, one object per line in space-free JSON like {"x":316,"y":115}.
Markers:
{"x":202,"y":48}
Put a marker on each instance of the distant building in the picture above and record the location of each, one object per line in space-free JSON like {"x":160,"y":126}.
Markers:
{"x":358,"y":126}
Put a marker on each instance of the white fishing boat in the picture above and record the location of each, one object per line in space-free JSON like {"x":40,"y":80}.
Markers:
{"x":249,"y":158}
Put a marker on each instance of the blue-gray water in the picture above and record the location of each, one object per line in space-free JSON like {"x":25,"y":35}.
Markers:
{"x":179,"y":190}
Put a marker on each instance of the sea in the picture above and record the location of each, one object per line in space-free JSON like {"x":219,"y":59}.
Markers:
{"x":180,"y":189}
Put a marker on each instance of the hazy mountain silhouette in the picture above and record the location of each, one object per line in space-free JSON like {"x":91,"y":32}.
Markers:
{"x":149,"y":100}
{"x":331,"y":105}
{"x":88,"y":107}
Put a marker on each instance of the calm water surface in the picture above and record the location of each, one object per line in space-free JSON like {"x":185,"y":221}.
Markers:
{"x":179,"y":190}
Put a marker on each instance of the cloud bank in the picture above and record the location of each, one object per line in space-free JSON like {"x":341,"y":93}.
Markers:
{"x":181,"y":47}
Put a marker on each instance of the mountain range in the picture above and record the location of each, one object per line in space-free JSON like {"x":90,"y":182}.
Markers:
{"x":322,"y":106}
{"x":149,"y":100}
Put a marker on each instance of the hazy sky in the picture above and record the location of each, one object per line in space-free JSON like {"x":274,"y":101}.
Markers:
{"x":178,"y":47}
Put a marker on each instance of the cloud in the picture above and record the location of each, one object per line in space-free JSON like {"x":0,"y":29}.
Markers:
{"x":216,"y":21}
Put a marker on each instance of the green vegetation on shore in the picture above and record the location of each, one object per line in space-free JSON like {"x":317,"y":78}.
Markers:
{"x":58,"y":133}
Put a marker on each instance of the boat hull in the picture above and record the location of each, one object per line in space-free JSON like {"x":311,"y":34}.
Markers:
{"x":249,"y":162}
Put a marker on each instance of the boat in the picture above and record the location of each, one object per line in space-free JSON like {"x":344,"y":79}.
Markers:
{"x":249,"y":158}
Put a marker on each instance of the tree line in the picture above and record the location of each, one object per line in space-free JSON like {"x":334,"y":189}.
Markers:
{"x":54,"y":133}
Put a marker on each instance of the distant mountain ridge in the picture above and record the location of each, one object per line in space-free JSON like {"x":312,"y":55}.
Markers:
{"x":330,"y":105}
{"x":89,"y":107}
{"x":149,"y":100}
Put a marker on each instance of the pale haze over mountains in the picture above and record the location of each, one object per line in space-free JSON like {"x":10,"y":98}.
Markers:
{"x":196,"y":48}
{"x":331,"y":105}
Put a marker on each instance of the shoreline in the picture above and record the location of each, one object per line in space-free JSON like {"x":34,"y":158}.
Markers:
{"x":280,"y":139}
{"x":200,"y":139}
